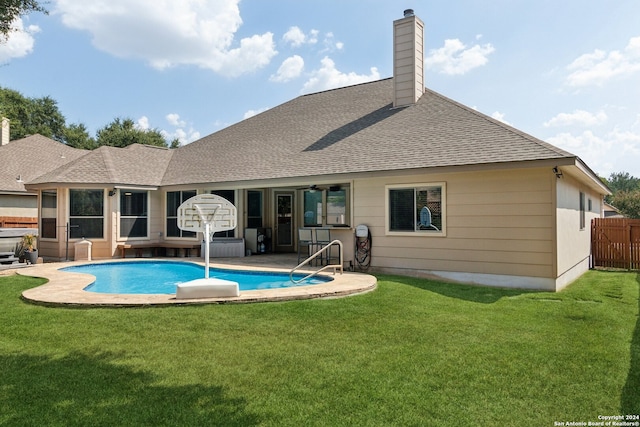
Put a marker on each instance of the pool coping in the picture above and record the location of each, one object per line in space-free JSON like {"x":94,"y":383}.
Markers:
{"x":67,"y":289}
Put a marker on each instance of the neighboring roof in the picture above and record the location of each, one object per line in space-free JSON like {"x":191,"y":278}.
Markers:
{"x":29,"y":157}
{"x":354,"y":129}
{"x":136,"y":164}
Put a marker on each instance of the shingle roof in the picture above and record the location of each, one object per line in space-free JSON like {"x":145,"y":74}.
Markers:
{"x":353,"y":129}
{"x":31,"y":156}
{"x":348,"y":130}
{"x":133,"y":165}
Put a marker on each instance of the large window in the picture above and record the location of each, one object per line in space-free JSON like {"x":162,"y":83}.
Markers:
{"x":48,"y":214}
{"x":330,"y":204}
{"x":416,"y":208}
{"x":312,"y":208}
{"x":133,"y":213}
{"x":254,"y":209}
{"x":174,"y":200}
{"x":230,"y":195}
{"x":86,"y":214}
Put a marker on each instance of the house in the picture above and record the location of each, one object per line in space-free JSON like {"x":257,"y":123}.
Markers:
{"x":23,"y":160}
{"x":505,"y":208}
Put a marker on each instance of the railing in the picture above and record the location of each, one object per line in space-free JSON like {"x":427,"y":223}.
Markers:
{"x":326,"y":267}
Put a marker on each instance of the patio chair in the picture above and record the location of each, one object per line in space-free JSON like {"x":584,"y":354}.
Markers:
{"x":305,"y":239}
{"x":323,"y":238}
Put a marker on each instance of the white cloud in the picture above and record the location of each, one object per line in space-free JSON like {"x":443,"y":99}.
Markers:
{"x":577,"y":118}
{"x":295,"y":37}
{"x":614,"y":151}
{"x":456,"y":58}
{"x":328,"y":77}
{"x":181,"y":133}
{"x":290,"y":69}
{"x":166,"y":33}
{"x":251,"y":113}
{"x":174,"y":120}
{"x":599,"y":66}
{"x":143,"y":123}
{"x":500,"y":116}
{"x":20,"y":41}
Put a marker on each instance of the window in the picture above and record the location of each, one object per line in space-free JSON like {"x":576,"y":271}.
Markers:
{"x":48,"y":214}
{"x":254,"y":209}
{"x":86,"y":214}
{"x":133,"y":213}
{"x":416,"y":208}
{"x":174,"y":200}
{"x":230,"y":195}
{"x":331,"y":204}
{"x":337,"y":207}
{"x":582,"y":211}
{"x":312,"y":208}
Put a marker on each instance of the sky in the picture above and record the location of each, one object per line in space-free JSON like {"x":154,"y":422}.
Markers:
{"x":566,"y":72}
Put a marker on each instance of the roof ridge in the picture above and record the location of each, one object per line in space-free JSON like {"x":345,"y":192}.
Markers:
{"x":504,"y":125}
{"x":108,"y":162}
{"x":346,"y":87}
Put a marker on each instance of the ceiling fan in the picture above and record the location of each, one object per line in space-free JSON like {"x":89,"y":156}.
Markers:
{"x":313,"y":188}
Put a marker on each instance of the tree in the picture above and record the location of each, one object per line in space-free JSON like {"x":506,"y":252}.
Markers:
{"x":628,"y":203}
{"x":32,"y":115}
{"x":10,"y":10}
{"x":77,"y":136}
{"x":626,"y":193}
{"x":123,"y":132}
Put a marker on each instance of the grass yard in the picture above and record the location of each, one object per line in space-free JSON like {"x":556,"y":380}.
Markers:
{"x":413,"y":352}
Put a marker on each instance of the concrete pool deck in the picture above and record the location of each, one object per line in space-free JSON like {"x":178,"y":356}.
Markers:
{"x":67,"y":289}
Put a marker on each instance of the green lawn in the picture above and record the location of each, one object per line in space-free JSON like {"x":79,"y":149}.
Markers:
{"x":413,"y":352}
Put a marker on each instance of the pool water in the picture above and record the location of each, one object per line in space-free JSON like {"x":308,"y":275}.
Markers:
{"x":162,"y":277}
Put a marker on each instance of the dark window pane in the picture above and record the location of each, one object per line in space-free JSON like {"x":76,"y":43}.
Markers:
{"x":254,"y":209}
{"x":172,"y":227}
{"x":186,"y":195}
{"x":133,"y":227}
{"x":49,"y":228}
{"x":227,"y":194}
{"x":90,"y":228}
{"x":173,"y":201}
{"x":401,"y":214}
{"x":86,"y":202}
{"x":133,"y":203}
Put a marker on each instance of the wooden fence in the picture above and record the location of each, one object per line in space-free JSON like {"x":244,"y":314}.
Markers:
{"x":18,"y":222}
{"x":615,"y":243}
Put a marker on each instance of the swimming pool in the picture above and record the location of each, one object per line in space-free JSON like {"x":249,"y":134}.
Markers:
{"x":162,"y":277}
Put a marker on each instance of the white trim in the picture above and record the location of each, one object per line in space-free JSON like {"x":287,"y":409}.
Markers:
{"x":119,"y":217}
{"x":443,"y":201}
{"x":135,"y":188}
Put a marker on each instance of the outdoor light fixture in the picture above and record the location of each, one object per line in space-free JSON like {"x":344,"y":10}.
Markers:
{"x":558,"y":172}
{"x":112,"y":192}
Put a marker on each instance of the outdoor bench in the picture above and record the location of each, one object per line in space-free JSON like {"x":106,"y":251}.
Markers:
{"x":156,"y":247}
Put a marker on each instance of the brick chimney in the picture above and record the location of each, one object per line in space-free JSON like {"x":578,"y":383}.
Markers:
{"x":4,"y":134}
{"x":408,"y":59}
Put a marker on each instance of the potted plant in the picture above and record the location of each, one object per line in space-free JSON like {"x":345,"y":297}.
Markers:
{"x":31,"y":253}
{"x":18,"y":252}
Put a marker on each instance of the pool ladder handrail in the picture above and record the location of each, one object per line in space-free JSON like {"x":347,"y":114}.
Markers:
{"x":326,"y":267}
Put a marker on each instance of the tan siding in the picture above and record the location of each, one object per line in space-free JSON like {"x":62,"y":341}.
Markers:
{"x":499,"y":222}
